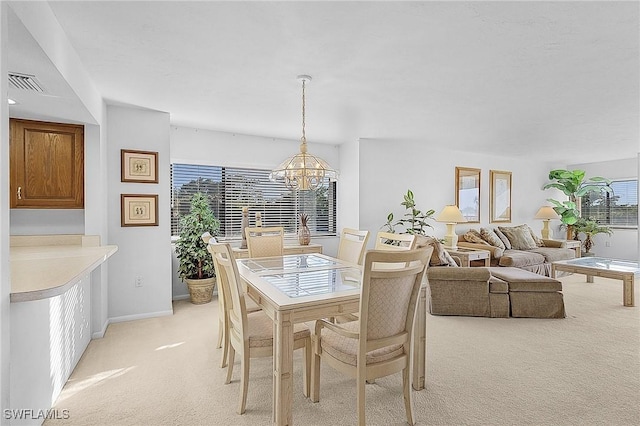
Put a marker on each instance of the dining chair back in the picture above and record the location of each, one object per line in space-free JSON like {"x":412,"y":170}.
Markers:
{"x":265,"y":242}
{"x":389,"y":241}
{"x":379,"y":343}
{"x":353,"y":244}
{"x":250,"y":334}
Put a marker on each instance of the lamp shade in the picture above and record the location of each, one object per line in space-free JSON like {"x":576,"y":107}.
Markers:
{"x":451,"y":214}
{"x":546,"y":213}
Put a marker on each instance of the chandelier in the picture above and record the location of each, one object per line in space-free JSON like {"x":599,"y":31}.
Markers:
{"x":303,"y":171}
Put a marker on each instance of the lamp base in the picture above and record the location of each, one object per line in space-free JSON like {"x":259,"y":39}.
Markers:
{"x":451,"y":239}
{"x":545,"y":229}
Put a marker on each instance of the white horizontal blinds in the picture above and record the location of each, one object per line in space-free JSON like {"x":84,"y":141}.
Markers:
{"x":617,"y":209}
{"x":230,"y":189}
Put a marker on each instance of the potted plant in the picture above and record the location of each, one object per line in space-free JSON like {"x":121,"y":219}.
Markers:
{"x":589,"y":228}
{"x":414,"y":220}
{"x":196,"y":263}
{"x":573,"y":184}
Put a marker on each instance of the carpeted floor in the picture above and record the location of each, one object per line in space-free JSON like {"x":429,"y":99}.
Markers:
{"x":581,"y":370}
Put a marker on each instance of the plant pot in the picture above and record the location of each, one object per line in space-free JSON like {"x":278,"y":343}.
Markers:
{"x":201,"y":291}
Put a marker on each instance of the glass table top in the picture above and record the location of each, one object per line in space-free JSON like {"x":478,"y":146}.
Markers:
{"x":603,"y":263}
{"x":309,"y":283}
{"x":290,"y":262}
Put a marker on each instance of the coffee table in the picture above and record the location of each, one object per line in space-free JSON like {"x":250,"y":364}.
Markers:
{"x":601,"y":267}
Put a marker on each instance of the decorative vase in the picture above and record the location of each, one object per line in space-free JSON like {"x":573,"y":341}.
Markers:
{"x":304,"y":235}
{"x":201,"y":291}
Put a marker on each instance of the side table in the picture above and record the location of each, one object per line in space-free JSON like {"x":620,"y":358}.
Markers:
{"x":575,"y":245}
{"x":466,"y":255}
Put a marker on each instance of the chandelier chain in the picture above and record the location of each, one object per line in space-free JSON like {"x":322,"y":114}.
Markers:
{"x":304,"y":137}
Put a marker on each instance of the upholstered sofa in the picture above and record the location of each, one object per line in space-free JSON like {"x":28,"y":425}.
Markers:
{"x":516,"y":250}
{"x":496,"y":292}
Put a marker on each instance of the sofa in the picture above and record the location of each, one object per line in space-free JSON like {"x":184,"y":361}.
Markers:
{"x":496,"y":292}
{"x":517,"y":247}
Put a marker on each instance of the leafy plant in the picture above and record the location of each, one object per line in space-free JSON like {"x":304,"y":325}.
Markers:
{"x":414,"y":220}
{"x":589,"y":228}
{"x":573,"y":184}
{"x":195,"y":261}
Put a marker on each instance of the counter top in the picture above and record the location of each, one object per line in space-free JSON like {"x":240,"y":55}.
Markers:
{"x":42,"y":268}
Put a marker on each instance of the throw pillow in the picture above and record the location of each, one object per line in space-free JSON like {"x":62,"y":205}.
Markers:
{"x":489,"y":236}
{"x":539,"y":241}
{"x":474,"y":236}
{"x":519,"y":237}
{"x":503,"y":238}
{"x":439,"y":254}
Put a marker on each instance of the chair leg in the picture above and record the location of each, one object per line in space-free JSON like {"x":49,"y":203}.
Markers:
{"x":306,"y":381}
{"x":220,"y":334}
{"x":406,"y":390}
{"x":360,"y":383}
{"x":232,"y":355}
{"x":244,"y":382}
{"x":226,"y":344}
{"x":315,"y":370}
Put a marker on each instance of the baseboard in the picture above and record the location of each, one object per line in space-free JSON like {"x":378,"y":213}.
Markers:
{"x":100,"y":334}
{"x":140,"y":316}
{"x":181,"y":297}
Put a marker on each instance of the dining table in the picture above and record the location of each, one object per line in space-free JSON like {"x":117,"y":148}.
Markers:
{"x":306,"y":287}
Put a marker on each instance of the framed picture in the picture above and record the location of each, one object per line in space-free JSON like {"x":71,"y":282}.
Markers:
{"x":499,"y":196}
{"x":138,"y":166}
{"x":468,"y":193}
{"x":139,"y":210}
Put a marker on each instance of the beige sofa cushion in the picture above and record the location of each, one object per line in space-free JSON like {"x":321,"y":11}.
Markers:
{"x":503,"y":238}
{"x":521,"y":280}
{"x":474,"y":236}
{"x":519,"y":259}
{"x":519,"y":237}
{"x":552,"y":254}
{"x":490,"y":236}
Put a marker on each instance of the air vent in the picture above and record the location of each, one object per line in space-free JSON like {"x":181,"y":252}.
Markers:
{"x":25,"y":82}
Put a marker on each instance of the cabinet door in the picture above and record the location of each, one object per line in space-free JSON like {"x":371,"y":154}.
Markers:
{"x":47,"y":165}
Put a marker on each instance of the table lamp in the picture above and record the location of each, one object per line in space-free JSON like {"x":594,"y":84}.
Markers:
{"x":546,"y":213}
{"x":451,"y":215}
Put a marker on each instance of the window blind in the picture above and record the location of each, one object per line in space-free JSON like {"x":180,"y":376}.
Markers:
{"x":230,"y":189}
{"x":619,"y":209}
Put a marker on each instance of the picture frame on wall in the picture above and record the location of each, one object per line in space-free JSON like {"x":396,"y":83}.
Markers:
{"x":139,"y":210}
{"x":499,"y":196}
{"x":468,"y":193}
{"x":138,"y":166}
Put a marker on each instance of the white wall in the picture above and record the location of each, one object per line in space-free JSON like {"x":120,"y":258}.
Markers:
{"x":143,"y":251}
{"x":623,"y":244}
{"x":388,"y":169}
{"x":348,"y":198}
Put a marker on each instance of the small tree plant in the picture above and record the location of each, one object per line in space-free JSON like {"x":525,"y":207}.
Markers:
{"x":195,"y":261}
{"x":414,"y":220}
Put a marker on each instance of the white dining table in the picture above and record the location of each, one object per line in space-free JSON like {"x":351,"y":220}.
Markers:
{"x":306,"y":287}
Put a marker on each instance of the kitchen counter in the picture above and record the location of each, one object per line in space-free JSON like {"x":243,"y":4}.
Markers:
{"x":48,"y":265}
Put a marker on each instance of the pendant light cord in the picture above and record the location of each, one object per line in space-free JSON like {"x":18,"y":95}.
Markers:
{"x":304,"y":137}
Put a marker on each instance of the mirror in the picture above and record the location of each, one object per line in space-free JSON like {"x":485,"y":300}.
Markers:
{"x":499,"y":196}
{"x":468,"y":193}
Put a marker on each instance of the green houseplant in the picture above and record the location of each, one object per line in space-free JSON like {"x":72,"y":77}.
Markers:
{"x":589,"y":228}
{"x":414,"y":220}
{"x":196,"y":263}
{"x":574,"y":185}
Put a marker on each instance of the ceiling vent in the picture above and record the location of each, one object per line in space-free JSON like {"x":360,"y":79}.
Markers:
{"x":25,"y":82}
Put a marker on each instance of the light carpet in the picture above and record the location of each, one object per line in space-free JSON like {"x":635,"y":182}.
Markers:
{"x":580,"y":370}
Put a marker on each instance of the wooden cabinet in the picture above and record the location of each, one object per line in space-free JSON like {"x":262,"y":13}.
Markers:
{"x":47,"y":165}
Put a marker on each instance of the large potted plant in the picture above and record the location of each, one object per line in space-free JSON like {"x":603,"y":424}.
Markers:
{"x":414,"y":220}
{"x":574,"y":185}
{"x":589,"y":228}
{"x":196,"y":263}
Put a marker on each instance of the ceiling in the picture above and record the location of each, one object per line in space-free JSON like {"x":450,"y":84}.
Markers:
{"x":552,"y":80}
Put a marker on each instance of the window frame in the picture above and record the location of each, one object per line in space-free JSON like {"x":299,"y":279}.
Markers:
{"x":609,"y":213}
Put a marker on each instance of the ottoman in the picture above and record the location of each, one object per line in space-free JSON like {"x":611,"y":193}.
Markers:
{"x":532,"y":295}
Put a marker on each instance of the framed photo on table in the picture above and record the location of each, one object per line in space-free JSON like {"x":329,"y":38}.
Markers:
{"x":499,"y":196}
{"x":139,"y":210}
{"x":138,"y":166}
{"x":468,"y":193}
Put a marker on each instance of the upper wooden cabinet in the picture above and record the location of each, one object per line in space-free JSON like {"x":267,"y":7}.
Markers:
{"x":47,"y":165}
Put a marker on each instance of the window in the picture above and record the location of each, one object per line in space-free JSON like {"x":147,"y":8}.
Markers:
{"x":229,"y":189}
{"x":619,"y":209}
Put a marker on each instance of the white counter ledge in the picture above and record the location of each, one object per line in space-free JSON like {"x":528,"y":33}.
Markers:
{"x":44,"y":266}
